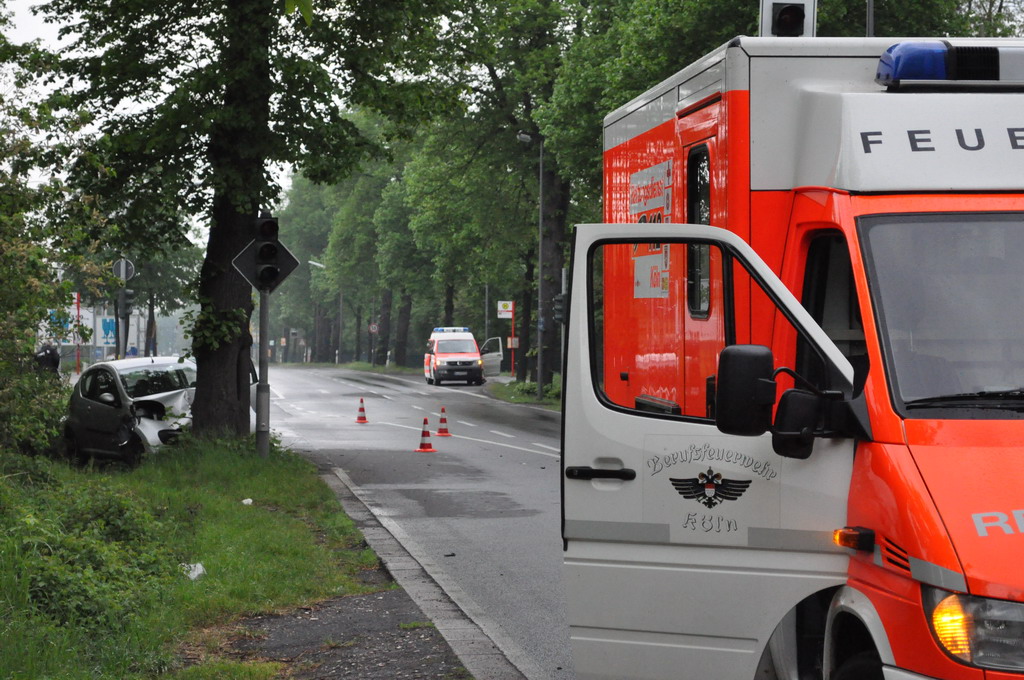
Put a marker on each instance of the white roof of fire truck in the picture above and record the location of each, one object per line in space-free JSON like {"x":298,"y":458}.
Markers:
{"x":853,"y":114}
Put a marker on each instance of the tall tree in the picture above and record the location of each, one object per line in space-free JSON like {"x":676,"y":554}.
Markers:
{"x":506,"y":57}
{"x":199,"y":100}
{"x":42,"y":260}
{"x":164,"y":281}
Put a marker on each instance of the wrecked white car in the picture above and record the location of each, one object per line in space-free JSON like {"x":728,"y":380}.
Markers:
{"x":124,"y":408}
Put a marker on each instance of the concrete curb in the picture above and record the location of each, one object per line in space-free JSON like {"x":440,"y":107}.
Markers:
{"x":472,"y":643}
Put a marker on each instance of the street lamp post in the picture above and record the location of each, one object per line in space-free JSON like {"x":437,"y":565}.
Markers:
{"x":526,"y":139}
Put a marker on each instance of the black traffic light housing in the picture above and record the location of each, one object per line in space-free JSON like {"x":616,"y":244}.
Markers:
{"x":125,"y":302}
{"x":268,"y":253}
{"x":788,"y":19}
{"x":558,"y":310}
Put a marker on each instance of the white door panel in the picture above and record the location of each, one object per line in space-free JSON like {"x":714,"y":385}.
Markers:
{"x":686,"y":569}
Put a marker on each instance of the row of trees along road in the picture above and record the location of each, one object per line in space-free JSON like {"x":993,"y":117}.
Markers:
{"x":429,"y":199}
{"x":445,"y":224}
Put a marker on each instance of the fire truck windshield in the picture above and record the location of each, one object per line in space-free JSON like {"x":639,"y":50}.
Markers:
{"x":949,"y":297}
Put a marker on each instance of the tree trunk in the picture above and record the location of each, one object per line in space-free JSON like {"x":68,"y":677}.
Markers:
{"x":236,"y":151}
{"x":151,"y":327}
{"x":449,"y":304}
{"x":524,"y":312}
{"x":402,"y":328}
{"x":359,"y":334}
{"x":556,"y":203}
{"x":383,"y":338}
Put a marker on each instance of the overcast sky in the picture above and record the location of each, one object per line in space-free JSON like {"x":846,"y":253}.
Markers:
{"x":28,"y":27}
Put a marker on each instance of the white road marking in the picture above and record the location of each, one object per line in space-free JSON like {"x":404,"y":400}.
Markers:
{"x":545,"y":446}
{"x":482,"y":441}
{"x":463,"y":422}
{"x":502,"y":434}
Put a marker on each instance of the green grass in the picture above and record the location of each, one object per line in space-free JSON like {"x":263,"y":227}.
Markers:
{"x":77,"y":542}
{"x":526,"y":393}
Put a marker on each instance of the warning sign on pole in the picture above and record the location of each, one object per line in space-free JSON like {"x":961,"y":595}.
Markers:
{"x":506,"y":308}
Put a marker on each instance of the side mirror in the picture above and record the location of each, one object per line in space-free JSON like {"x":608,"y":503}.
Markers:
{"x":796,"y":421}
{"x":107,"y":398}
{"x":746,"y":390}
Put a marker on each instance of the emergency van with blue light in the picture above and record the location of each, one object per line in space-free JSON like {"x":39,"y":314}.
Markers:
{"x":452,"y":354}
{"x":793,"y":442}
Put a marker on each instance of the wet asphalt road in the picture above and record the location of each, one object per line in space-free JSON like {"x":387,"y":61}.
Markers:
{"x":482,"y":513}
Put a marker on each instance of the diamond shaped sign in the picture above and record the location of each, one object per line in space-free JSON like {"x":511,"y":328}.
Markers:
{"x":245,"y":264}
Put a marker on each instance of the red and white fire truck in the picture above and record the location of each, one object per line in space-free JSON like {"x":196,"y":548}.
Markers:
{"x":794,"y":440}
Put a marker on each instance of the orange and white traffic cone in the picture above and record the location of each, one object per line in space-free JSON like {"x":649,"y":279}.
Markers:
{"x":425,"y":446}
{"x":442,"y":428}
{"x":362,"y":413}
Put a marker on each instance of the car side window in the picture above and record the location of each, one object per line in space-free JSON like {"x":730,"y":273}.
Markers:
{"x":98,"y":382}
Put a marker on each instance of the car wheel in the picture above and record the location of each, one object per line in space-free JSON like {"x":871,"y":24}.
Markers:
{"x":430,"y":381}
{"x":131,"y":451}
{"x":73,"y":450}
{"x":862,"y":666}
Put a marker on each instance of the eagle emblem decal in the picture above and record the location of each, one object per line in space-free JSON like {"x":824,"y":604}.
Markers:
{"x":710,"y":488}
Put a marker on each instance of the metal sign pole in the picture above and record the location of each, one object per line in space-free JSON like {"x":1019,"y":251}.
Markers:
{"x":263,"y":386}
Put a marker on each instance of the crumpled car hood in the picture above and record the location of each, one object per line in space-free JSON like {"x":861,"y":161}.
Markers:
{"x":177,"y":408}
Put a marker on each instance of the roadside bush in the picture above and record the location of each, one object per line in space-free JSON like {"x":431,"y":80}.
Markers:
{"x":88,"y":555}
{"x":31,"y":406}
{"x":528,"y":390}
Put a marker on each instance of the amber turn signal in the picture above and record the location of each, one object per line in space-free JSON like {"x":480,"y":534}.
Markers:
{"x":954,"y":627}
{"x":856,"y":538}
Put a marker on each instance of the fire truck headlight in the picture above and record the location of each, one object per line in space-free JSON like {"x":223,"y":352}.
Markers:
{"x":978,"y":631}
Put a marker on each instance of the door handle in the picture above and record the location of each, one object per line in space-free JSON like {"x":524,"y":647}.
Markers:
{"x":585,"y":472}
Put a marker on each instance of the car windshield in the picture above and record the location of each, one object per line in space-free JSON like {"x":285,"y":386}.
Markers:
{"x":142,"y":381}
{"x":949,"y":297}
{"x":456,"y":346}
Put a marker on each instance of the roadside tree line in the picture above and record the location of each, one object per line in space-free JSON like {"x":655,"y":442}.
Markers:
{"x":443,"y":223}
{"x":403,"y":122}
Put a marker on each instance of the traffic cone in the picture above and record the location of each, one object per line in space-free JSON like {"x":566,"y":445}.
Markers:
{"x":442,"y":428}
{"x":425,"y":446}
{"x":362,"y":413}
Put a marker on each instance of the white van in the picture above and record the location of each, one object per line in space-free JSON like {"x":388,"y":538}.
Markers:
{"x":452,"y":354}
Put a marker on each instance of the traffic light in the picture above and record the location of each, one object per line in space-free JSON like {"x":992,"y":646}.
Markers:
{"x":788,"y":19}
{"x":558,"y":310}
{"x":125,"y":301}
{"x":268,"y":254}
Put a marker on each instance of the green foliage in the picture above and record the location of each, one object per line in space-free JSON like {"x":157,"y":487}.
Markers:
{"x":210,"y":327}
{"x":84,"y":556}
{"x":43,"y":235}
{"x":526,"y":391}
{"x":91,"y":578}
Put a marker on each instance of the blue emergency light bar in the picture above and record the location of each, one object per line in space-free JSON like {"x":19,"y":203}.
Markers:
{"x":451,"y":329}
{"x":937,"y":62}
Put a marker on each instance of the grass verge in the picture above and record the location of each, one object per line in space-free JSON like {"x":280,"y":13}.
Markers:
{"x":526,"y":393}
{"x":92,"y":583}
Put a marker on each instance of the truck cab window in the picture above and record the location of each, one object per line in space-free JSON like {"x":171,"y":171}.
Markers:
{"x":831,"y":298}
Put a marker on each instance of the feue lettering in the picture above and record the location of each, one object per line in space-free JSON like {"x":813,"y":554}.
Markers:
{"x":929,"y":140}
{"x":985,"y":523}
{"x":919,"y":140}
